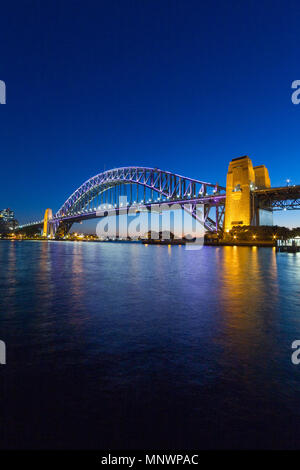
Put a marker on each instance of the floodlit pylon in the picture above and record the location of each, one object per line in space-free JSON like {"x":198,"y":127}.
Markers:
{"x":47,"y":227}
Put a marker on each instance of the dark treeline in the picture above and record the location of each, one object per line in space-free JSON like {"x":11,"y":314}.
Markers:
{"x":264,"y":233}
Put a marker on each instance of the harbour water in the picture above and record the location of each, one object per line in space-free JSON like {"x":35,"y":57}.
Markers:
{"x":130,"y":346}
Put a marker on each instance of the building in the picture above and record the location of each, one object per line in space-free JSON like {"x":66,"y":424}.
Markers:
{"x":7,"y":215}
{"x":292,"y":245}
{"x":7,"y":220}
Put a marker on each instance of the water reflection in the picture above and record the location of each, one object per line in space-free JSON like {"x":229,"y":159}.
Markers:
{"x":124,"y":335}
{"x":11,"y":281}
{"x":245,"y":272}
{"x":249,"y":300}
{"x":43,"y":277}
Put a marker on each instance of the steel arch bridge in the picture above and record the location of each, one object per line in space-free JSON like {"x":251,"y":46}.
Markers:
{"x":140,"y":186}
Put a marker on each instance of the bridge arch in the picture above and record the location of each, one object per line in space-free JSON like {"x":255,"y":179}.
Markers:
{"x":167,"y":185}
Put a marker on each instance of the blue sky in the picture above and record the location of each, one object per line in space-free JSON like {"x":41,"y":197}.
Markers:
{"x":181,"y":85}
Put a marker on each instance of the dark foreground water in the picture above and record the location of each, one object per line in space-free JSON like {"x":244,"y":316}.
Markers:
{"x":126,"y":346}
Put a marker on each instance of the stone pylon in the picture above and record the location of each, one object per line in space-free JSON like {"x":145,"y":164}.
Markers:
{"x":47,"y":228}
{"x":242,"y":180}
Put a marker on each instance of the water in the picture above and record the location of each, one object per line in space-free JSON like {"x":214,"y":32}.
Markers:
{"x":126,"y":346}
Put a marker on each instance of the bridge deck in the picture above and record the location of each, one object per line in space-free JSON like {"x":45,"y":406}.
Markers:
{"x":280,"y":193}
{"x":281,"y":198}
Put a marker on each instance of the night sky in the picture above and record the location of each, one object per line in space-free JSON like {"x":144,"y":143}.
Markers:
{"x":181,"y":85}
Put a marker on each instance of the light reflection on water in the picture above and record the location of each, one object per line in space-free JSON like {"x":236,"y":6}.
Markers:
{"x":127,"y":346}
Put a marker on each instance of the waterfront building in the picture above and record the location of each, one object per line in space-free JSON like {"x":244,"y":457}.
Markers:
{"x":291,"y":245}
{"x":7,"y":215}
{"x":7,"y":220}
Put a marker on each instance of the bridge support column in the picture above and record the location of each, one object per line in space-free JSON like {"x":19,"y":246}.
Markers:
{"x":242,"y":179}
{"x":262,"y":181}
{"x":47,"y":227}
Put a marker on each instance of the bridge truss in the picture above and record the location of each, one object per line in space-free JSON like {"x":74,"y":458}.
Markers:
{"x":282,"y":198}
{"x":147,"y":187}
{"x":141,"y":186}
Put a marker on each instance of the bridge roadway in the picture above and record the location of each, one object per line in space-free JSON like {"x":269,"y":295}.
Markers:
{"x":281,"y":198}
{"x":110,"y":210}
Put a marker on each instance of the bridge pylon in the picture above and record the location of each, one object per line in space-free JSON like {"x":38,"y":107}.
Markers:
{"x":47,"y":227}
{"x":242,"y":180}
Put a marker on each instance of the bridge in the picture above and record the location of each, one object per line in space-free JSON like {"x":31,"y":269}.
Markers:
{"x":248,"y":198}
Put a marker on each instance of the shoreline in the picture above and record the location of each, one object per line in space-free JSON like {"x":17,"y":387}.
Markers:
{"x":258,"y":243}
{"x":264,"y":244}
